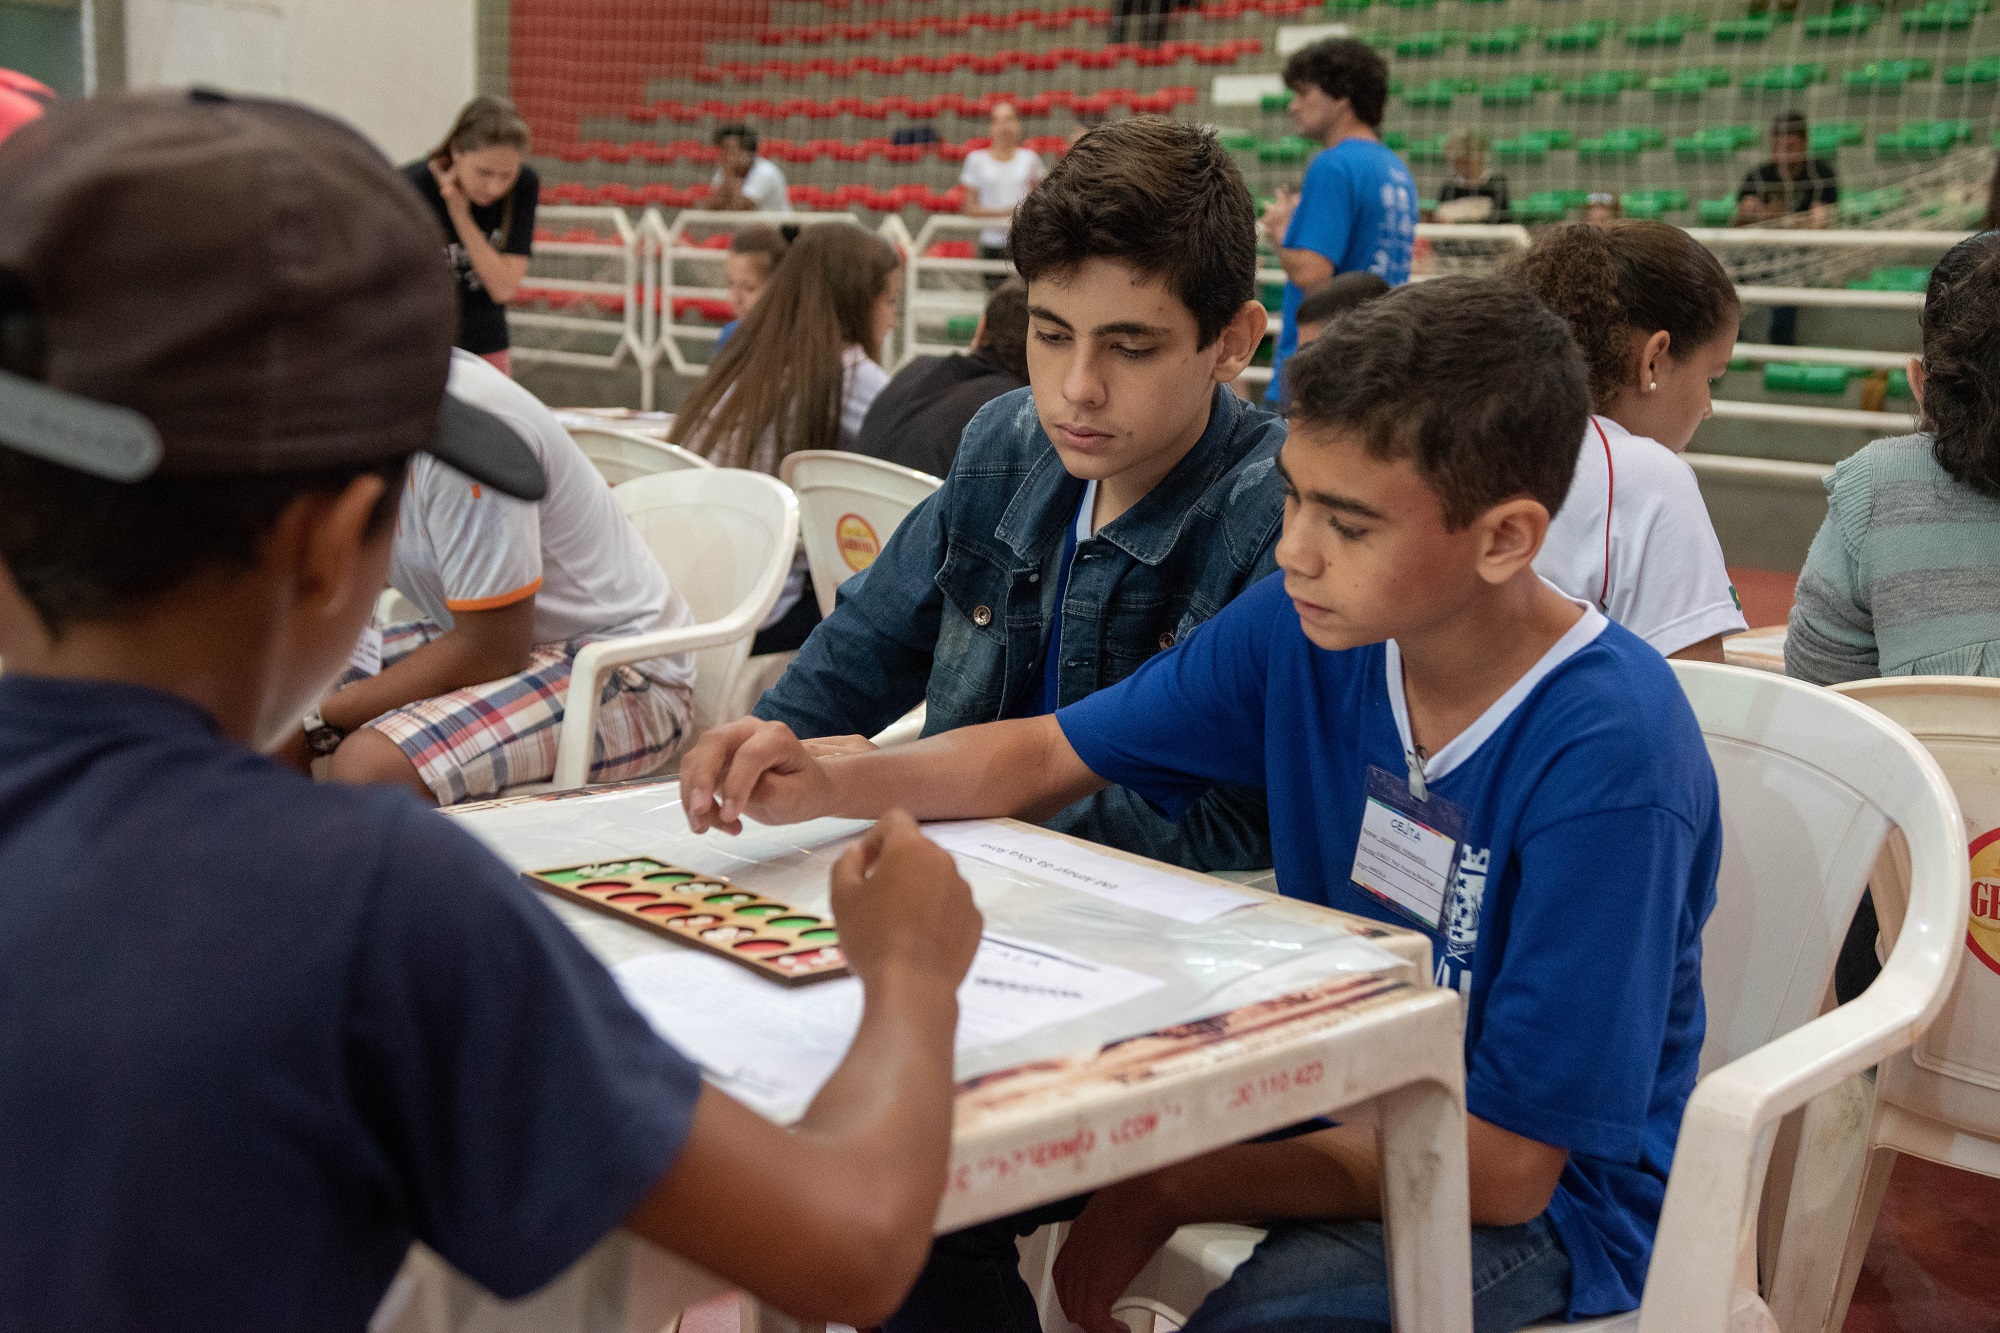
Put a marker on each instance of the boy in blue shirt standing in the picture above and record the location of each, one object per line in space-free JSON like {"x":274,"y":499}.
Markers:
{"x":1357,"y":211}
{"x":257,"y":1035}
{"x":1448,"y":743}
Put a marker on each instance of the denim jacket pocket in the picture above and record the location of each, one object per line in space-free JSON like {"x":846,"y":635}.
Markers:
{"x":969,"y":673}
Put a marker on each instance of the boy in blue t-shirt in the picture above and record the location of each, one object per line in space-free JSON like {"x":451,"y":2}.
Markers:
{"x":1448,"y":743}
{"x":257,"y":1035}
{"x":1357,"y":211}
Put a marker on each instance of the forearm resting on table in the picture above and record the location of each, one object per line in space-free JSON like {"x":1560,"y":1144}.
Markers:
{"x":1023,"y":768}
{"x":1337,"y":1173}
{"x":833,"y":1219}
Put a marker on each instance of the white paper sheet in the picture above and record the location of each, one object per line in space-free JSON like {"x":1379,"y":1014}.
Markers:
{"x":1142,"y":886}
{"x":773,"y":1046}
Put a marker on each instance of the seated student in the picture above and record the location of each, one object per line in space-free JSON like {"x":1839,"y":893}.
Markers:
{"x":753,"y":256}
{"x":1409,"y":659}
{"x":1101,"y":515}
{"x":925,"y":407}
{"x":1656,"y":318}
{"x":1342,"y":293}
{"x":330,"y":1023}
{"x":800,"y":374}
{"x":469,"y":699}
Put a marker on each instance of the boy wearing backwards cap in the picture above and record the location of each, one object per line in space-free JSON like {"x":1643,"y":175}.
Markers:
{"x":1406,"y":678}
{"x":259,"y":1035}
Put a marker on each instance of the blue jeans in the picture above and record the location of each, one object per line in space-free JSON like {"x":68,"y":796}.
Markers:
{"x":1333,"y":1277}
{"x":1306,"y":1277}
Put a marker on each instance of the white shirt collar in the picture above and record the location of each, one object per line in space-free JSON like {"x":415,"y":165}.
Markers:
{"x":1462,"y":746}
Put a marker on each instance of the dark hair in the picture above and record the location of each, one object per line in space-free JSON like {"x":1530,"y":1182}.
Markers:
{"x":1007,"y":326}
{"x":1789,"y":122}
{"x":487,"y":121}
{"x":1624,"y":279}
{"x":1343,"y":67}
{"x":81,"y":548}
{"x":1473,"y":380}
{"x":1158,"y":194}
{"x":758,"y":239}
{"x":737,"y":130}
{"x":1961,"y":327}
{"x":1992,"y":218}
{"x":1342,"y":294}
{"x":784,"y":372}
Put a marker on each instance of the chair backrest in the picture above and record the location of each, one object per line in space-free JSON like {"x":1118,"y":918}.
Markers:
{"x":621,"y":455}
{"x":1811,"y":785}
{"x":725,"y":538}
{"x":848,"y":506}
{"x":1956,"y":718}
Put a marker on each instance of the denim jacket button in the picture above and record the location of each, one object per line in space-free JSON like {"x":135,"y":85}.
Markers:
{"x":982,"y":616}
{"x":1167,"y":639}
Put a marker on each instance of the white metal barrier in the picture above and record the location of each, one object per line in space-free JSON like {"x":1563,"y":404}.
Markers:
{"x":625,"y":331}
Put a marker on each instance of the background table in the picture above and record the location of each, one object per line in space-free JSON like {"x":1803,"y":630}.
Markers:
{"x":1269,"y":1015}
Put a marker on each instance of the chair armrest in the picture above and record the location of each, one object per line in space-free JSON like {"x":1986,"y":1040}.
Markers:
{"x":595,"y":661}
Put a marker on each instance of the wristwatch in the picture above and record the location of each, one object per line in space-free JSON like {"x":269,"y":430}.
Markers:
{"x":321,"y":738}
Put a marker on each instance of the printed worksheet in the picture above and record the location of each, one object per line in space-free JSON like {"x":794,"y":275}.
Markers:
{"x":773,"y":1046}
{"x":1150,"y":888}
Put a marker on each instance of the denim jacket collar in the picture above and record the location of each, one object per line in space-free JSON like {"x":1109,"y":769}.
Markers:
{"x":1148,"y":531}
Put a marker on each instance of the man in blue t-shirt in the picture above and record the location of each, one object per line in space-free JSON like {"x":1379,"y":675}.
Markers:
{"x":1357,"y":211}
{"x":1448,"y":743}
{"x":257,"y":1035}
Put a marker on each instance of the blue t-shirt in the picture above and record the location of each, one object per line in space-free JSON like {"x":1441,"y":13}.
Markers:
{"x":257,"y":1035}
{"x":1046,"y":686}
{"x":1587,"y":868}
{"x":1358,"y":207}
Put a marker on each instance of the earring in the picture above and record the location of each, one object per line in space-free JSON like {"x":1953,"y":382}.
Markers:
{"x":1653,"y":385}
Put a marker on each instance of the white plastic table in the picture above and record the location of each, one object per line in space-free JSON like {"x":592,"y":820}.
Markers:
{"x":1762,"y":648}
{"x":1269,"y":1015}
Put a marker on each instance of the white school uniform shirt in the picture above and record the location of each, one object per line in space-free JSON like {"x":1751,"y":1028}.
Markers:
{"x":763,"y":185}
{"x":461,"y":546}
{"x":1633,"y":538}
{"x":1000,"y":184}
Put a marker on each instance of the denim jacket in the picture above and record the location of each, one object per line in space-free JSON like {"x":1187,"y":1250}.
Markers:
{"x":955,"y":610}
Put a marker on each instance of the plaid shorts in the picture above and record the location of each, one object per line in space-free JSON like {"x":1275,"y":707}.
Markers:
{"x":473,"y":743}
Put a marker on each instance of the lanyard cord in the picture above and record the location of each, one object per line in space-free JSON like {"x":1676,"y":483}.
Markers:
{"x":1610,"y":493}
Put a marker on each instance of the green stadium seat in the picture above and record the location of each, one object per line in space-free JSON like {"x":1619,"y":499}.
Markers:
{"x":1941,"y":16}
{"x":1422,"y":44}
{"x":1716,"y":212}
{"x":1854,"y":23}
{"x":1797,"y":377}
{"x":1426,"y":150}
{"x":1426,"y":205}
{"x":1436,"y":93}
{"x":1396,"y":141}
{"x":1650,"y":204}
{"x":1620,"y":145}
{"x":1238,"y":141}
{"x":1830,"y":136}
{"x":1271,"y":295}
{"x":1518,"y":90}
{"x":1289,"y":150}
{"x":1275,"y":101}
{"x":1603,"y":86}
{"x":1664,"y":31}
{"x":1529,"y":147}
{"x":961,"y":328}
{"x":1578,"y":36}
{"x":1895,"y":278}
{"x":1542,"y":206}
{"x":1920,"y":140}
{"x":1785,"y":78}
{"x":1501,"y":41}
{"x":1411,"y":4}
{"x":1885,"y":76}
{"x":1899,"y":384}
{"x":1867,"y":205}
{"x":1741,"y":30}
{"x":1686,"y":86}
{"x":1984,"y":70}
{"x":1346,"y":6}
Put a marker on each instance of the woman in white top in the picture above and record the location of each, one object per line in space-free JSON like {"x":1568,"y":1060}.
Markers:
{"x":1656,"y":318}
{"x":1000,"y":178}
{"x":800,"y":373}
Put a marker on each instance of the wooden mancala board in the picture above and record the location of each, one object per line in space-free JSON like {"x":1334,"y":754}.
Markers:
{"x":769,"y":937}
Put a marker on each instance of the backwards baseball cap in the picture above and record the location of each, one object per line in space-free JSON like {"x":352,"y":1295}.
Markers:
{"x":198,"y":285}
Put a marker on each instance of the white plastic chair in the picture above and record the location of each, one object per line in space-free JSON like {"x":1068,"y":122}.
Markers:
{"x":621,"y":455}
{"x":1940,"y":1099}
{"x":1811,"y":783}
{"x":725,"y":539}
{"x":848,"y":506}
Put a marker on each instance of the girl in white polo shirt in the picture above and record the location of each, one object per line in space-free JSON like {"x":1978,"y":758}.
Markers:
{"x":1656,"y":318}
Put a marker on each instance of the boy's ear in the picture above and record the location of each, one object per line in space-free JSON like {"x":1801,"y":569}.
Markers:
{"x":1239,"y":339}
{"x":1511,"y":535}
{"x":329,"y":548}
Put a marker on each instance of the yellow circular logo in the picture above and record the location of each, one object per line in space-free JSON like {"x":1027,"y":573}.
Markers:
{"x":1982,"y":928}
{"x":857,"y":541}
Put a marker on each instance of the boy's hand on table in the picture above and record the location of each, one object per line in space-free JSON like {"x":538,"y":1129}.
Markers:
{"x":1119,"y":1231}
{"x":756,"y":768}
{"x":903,"y":909}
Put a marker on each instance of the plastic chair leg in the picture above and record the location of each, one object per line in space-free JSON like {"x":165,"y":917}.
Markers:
{"x":1874,"y":1184}
{"x":1826,"y":1185}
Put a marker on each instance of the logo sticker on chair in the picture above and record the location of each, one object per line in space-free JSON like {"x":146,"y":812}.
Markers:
{"x":1982,"y":933}
{"x":857,"y":541}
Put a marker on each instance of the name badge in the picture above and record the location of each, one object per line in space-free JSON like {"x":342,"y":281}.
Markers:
{"x":1407,"y":848}
{"x":367,"y":655}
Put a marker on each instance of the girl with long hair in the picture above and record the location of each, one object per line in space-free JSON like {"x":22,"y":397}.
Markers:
{"x":1656,"y":319}
{"x":484,"y":196}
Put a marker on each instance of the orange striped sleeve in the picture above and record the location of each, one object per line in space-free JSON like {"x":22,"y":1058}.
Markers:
{"x":498,"y":600}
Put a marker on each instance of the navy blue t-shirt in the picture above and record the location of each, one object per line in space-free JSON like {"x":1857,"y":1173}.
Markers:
{"x":1586,"y":871}
{"x":257,"y":1035}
